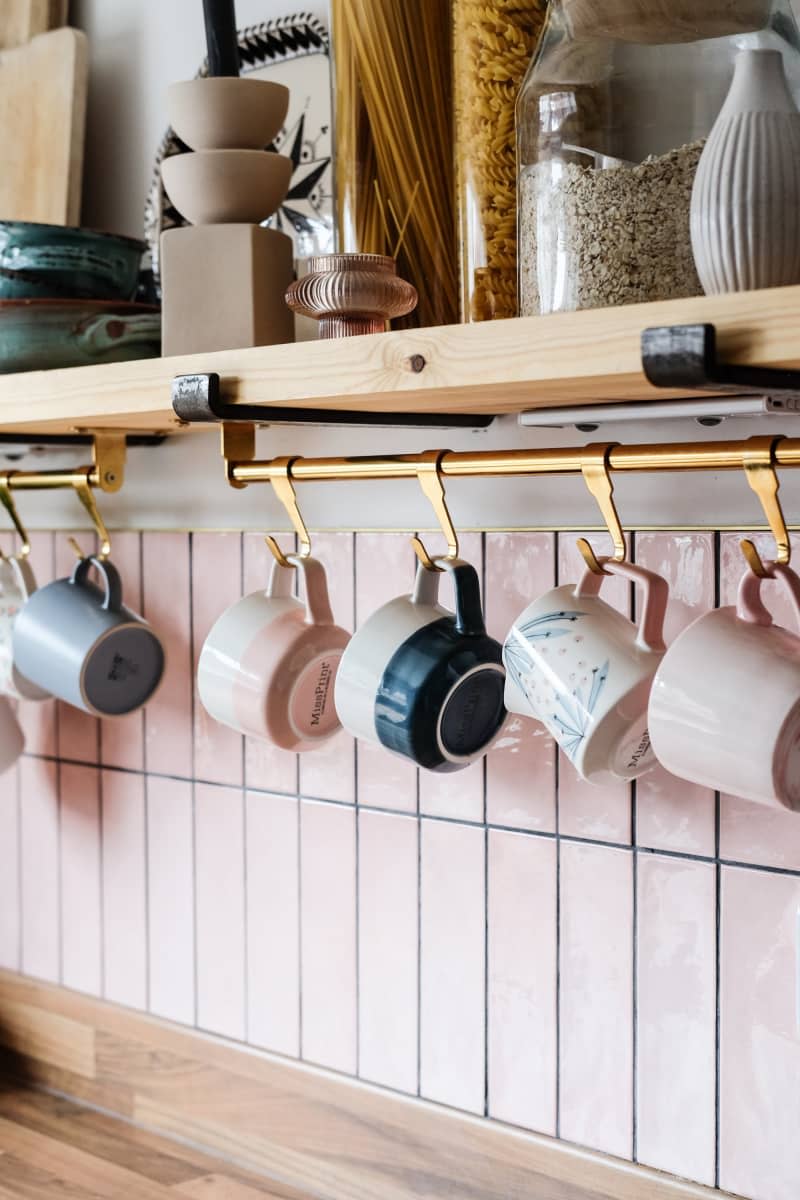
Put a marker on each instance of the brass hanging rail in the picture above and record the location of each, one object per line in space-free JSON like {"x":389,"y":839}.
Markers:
{"x":674,"y":456}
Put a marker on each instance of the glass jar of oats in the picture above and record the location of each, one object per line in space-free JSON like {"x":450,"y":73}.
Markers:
{"x":493,"y":41}
{"x":611,"y":120}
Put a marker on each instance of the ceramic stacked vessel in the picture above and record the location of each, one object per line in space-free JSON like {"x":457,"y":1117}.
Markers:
{"x":224,"y":276}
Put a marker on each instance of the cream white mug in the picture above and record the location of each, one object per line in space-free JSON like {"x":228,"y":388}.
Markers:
{"x":17,"y":583}
{"x":585,"y":671}
{"x":12,"y":739}
{"x":725,"y":705}
{"x":268,"y":666}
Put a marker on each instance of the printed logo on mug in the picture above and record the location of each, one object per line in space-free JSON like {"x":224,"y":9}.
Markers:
{"x":80,"y":643}
{"x":269,"y":664}
{"x":424,"y":682}
{"x":725,"y":706}
{"x":17,"y":584}
{"x":585,"y":671}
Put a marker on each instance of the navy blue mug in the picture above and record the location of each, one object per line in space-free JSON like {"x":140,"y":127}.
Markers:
{"x":424,"y":682}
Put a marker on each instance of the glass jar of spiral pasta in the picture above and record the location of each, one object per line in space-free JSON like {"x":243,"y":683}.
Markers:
{"x":394,"y":162}
{"x":611,"y":119}
{"x":493,"y":41}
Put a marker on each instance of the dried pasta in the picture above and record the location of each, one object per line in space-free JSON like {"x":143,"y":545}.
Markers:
{"x":394,"y":108}
{"x":493,"y":45}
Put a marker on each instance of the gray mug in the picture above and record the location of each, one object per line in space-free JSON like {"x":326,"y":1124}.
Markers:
{"x":83,"y":645}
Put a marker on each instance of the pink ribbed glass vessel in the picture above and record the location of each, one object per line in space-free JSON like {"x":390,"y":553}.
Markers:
{"x":351,"y":294}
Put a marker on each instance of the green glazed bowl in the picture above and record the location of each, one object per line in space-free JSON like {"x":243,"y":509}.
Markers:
{"x":36,"y":335}
{"x":44,"y":262}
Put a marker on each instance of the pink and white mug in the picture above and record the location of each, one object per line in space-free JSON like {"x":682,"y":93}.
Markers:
{"x":725,"y":705}
{"x":269,"y":664}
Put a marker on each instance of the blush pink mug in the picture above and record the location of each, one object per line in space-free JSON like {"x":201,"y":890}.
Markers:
{"x":269,"y":664}
{"x":725,"y":704}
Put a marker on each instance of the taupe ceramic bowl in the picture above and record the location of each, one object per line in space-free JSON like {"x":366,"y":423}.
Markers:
{"x":226,"y":113}
{"x":226,"y":187}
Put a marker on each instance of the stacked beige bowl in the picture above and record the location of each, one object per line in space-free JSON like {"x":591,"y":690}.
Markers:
{"x":224,"y":276}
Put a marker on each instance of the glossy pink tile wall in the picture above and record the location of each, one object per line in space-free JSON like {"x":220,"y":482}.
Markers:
{"x":617,"y":967}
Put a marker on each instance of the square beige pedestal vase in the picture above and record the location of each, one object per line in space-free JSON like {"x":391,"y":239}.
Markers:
{"x":223,"y":288}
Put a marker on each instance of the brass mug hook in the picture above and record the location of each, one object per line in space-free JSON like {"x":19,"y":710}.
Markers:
{"x":7,"y":500}
{"x":760,"y":469}
{"x":429,"y":475}
{"x":596,"y":471}
{"x":281,"y":480}
{"x":83,"y":490}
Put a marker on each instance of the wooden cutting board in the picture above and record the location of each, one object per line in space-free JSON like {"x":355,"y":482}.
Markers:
{"x":43,"y":87}
{"x":21,"y":20}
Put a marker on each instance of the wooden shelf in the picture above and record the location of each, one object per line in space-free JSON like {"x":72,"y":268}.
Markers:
{"x":497,"y":367}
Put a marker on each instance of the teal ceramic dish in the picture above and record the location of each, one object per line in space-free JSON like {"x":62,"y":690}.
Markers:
{"x":36,"y":335}
{"x":44,"y":262}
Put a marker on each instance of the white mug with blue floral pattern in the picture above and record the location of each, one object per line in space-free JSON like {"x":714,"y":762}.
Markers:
{"x":585,"y":671}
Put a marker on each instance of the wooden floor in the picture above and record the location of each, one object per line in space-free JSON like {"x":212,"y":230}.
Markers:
{"x":53,"y":1148}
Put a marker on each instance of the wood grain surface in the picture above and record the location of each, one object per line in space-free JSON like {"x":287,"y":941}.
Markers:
{"x":43,"y":87}
{"x":326,"y":1136}
{"x":487,"y":367}
{"x":51,"y":1147}
{"x":21,"y":20}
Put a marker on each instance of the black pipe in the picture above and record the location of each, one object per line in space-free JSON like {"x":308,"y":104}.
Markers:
{"x":221,"y":37}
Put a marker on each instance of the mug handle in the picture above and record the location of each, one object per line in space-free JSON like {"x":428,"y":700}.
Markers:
{"x":22,"y":574}
{"x":655,"y":596}
{"x":315,"y":582}
{"x":751,"y":608}
{"x":469,"y":610}
{"x":112,"y":600}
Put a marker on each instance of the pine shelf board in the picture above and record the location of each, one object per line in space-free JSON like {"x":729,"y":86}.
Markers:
{"x":496,"y":367}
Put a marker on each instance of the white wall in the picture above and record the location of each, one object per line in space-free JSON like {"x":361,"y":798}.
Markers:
{"x":138,"y":47}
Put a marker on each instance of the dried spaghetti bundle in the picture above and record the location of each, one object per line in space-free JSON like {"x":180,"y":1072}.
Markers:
{"x":394,"y":108}
{"x":494,"y":41}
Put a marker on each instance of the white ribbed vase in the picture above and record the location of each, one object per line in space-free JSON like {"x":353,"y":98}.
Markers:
{"x":746,"y":198}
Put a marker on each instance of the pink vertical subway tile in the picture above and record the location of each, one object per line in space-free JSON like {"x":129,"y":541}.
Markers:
{"x":522,"y":965}
{"x":590,"y":810}
{"x":78,"y":732}
{"x":166,"y":588}
{"x":456,"y":794}
{"x":521,"y":776}
{"x":170,"y":899}
{"x":38,"y":719}
{"x":750,"y":832}
{"x":122,"y":739}
{"x":385,"y":566}
{"x":39,"y":868}
{"x":216,"y":584}
{"x":220,"y":908}
{"x":328,"y":944}
{"x":266,"y":766}
{"x":452,"y":965}
{"x":10,"y":910}
{"x":672,"y":814}
{"x":273,"y":923}
{"x":81,"y":900}
{"x":388,"y":856}
{"x":329,"y":772}
{"x":597,"y":997}
{"x":124,"y":889}
{"x":677,"y":1016}
{"x":760,"y":1035}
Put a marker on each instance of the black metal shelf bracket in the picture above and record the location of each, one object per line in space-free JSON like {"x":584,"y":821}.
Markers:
{"x":198,"y":398}
{"x":685,"y":356}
